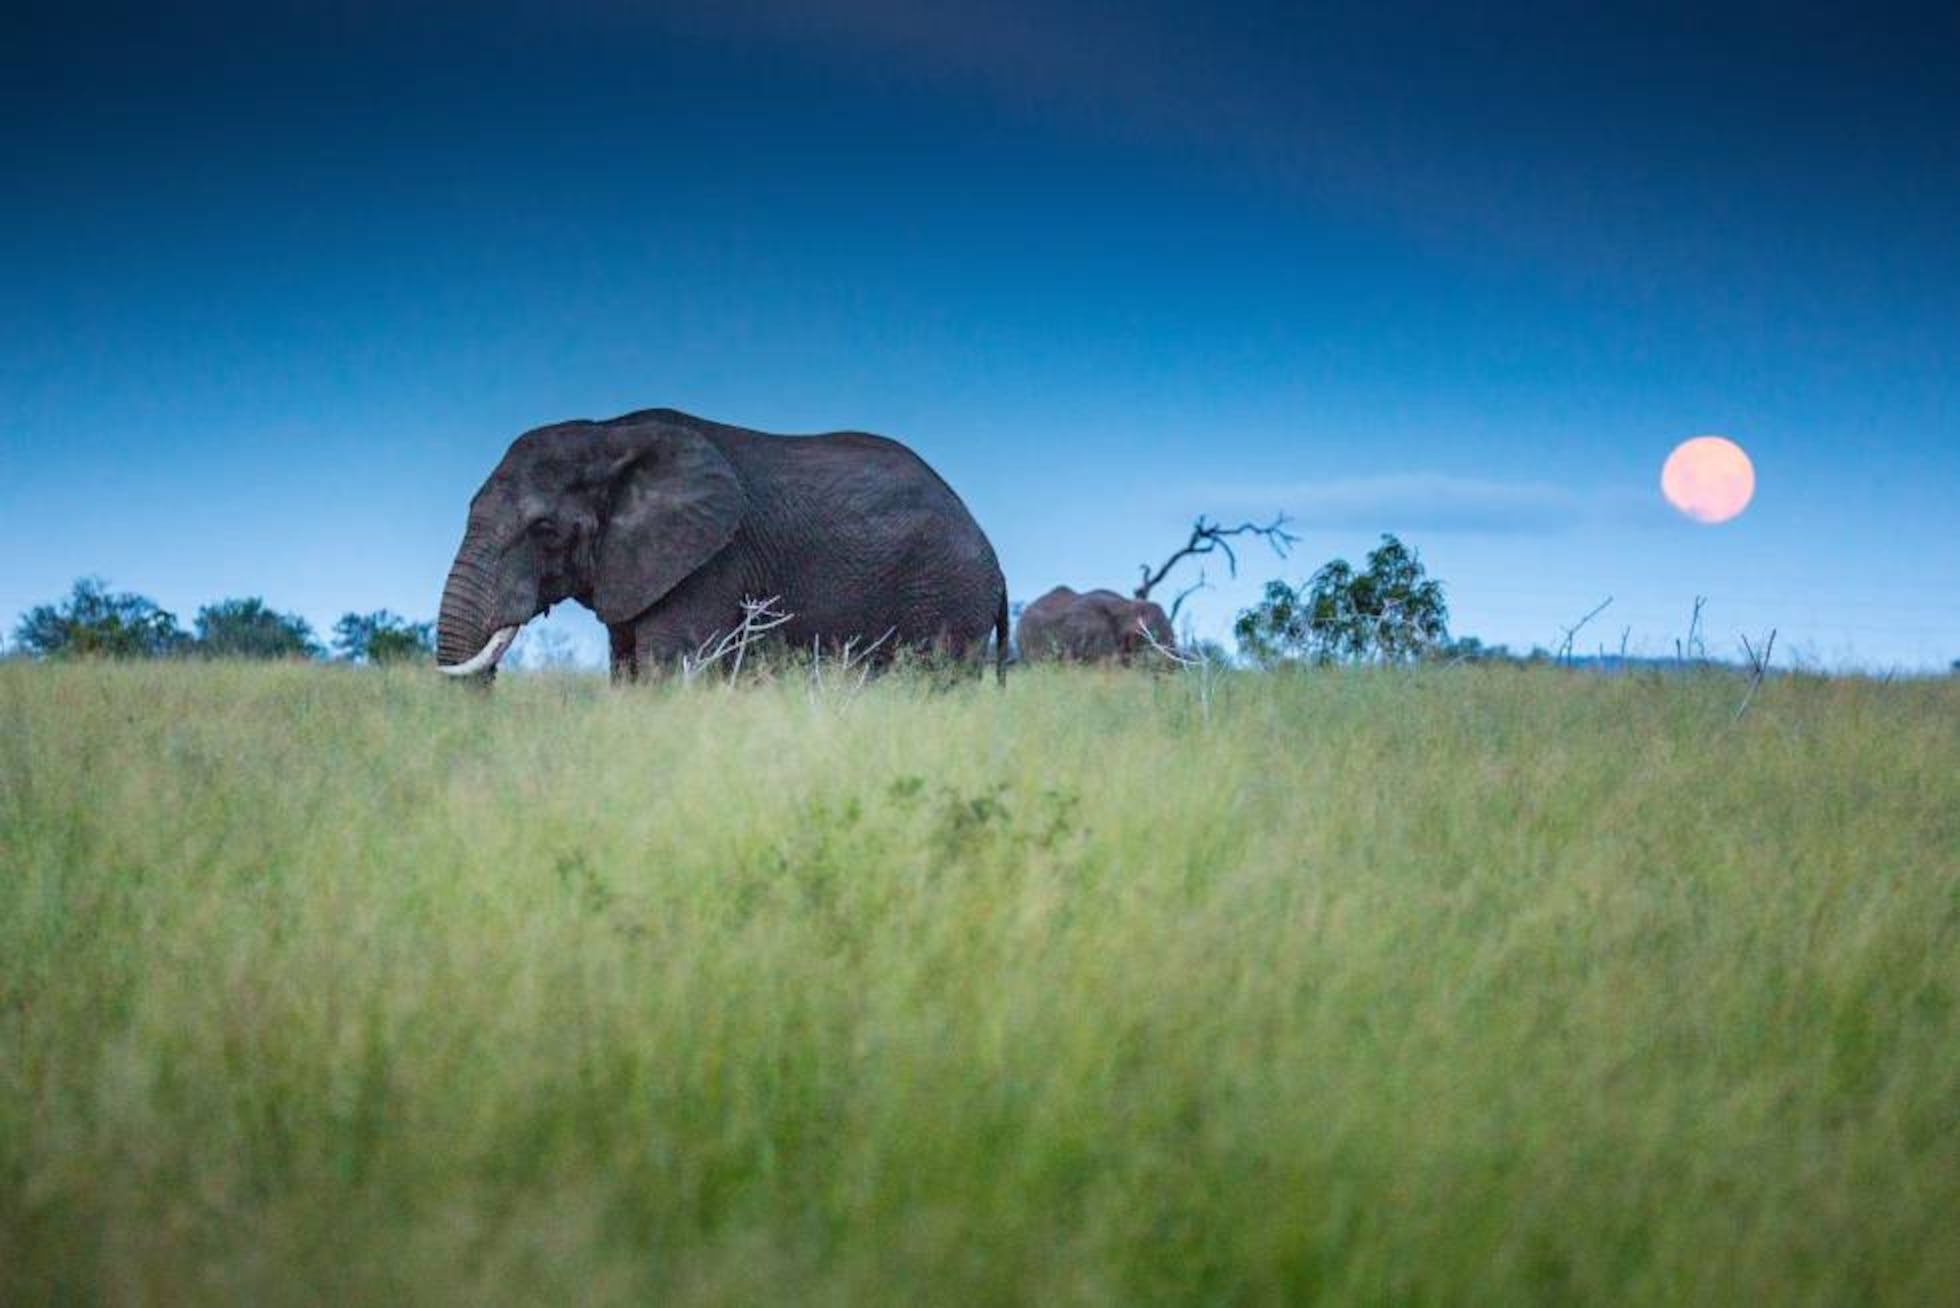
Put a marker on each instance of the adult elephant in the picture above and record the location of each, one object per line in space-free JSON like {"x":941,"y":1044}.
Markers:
{"x":1091,"y":627}
{"x":664,"y":524}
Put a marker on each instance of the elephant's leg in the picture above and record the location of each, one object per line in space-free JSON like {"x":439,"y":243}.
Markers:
{"x":673,"y":632}
{"x":702,"y":609}
{"x":625,"y":658}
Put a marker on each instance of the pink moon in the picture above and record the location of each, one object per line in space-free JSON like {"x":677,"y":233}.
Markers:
{"x":1708,"y":479}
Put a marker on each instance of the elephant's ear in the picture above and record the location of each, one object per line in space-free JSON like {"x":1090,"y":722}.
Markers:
{"x":676,"y":502}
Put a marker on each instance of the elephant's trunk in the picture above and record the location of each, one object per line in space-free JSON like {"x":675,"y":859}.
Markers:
{"x":465,"y":642}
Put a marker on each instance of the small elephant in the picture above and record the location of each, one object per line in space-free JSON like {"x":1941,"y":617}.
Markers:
{"x":665,"y":524}
{"x":1091,"y":627}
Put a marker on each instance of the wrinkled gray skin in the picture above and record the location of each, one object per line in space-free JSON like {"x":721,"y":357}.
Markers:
{"x":663,"y":524}
{"x":1091,"y":627}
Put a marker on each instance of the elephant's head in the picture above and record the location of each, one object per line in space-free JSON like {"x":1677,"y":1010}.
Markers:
{"x":1138,"y":617}
{"x":611,"y":514}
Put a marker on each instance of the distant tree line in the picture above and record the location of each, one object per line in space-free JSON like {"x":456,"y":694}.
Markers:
{"x":95,"y":622}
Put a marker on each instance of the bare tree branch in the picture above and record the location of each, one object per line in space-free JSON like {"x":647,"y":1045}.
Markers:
{"x":851,"y":657}
{"x":1208,"y":536}
{"x":1187,"y":593}
{"x":1565,"y":648}
{"x":1183,"y":658}
{"x":847,"y":658}
{"x":1694,"y":648}
{"x":1192,"y":660}
{"x":758,"y":618}
{"x":1759,"y":667}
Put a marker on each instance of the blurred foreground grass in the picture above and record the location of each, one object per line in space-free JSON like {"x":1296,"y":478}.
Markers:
{"x":1452,"y":986}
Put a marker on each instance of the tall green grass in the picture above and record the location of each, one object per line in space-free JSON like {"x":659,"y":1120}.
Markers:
{"x":1448,"y":986}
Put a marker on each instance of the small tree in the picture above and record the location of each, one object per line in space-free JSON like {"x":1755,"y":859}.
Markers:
{"x":382,"y":637}
{"x":247,"y":629}
{"x":1391,"y":611}
{"x":95,"y":622}
{"x":1399,"y":607}
{"x":1275,"y":629}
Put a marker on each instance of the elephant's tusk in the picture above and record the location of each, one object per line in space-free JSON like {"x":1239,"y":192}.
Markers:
{"x":493,"y":649}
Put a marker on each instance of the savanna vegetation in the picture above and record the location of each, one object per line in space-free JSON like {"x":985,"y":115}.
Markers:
{"x":96,"y":622}
{"x":1355,"y":984}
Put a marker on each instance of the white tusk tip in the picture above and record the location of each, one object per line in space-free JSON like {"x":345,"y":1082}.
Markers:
{"x":493,"y":649}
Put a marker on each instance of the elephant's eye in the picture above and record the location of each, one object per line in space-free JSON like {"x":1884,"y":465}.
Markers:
{"x":546,"y":530}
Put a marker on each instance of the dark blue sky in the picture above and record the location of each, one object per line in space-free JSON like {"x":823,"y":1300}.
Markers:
{"x":281,"y":283}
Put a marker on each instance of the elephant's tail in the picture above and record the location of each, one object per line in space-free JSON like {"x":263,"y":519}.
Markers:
{"x":1000,"y":640}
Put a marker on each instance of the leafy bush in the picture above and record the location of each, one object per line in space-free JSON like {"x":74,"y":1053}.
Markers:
{"x":96,"y":622}
{"x":1390,"y":612}
{"x":248,"y":629}
{"x":383,"y":637}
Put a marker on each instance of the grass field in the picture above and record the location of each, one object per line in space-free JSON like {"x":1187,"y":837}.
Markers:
{"x":1445,"y":986}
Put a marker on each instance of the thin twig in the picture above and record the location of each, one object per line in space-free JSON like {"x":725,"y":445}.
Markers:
{"x":861,"y":658}
{"x":1565,"y":649}
{"x":1179,"y":657}
{"x":758,"y":618}
{"x":1695,"y":648}
{"x":847,"y":657}
{"x":1759,"y":665}
{"x":1193,"y":659}
{"x":1187,"y":593}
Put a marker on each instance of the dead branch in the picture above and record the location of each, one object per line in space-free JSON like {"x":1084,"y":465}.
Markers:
{"x":1694,"y":649}
{"x":1758,"y":668}
{"x":1758,"y":663}
{"x":851,"y":657}
{"x":1191,"y":660}
{"x":1208,"y":536}
{"x":1187,"y":593}
{"x":1565,"y":648}
{"x":847,"y":658}
{"x":1182,"y":658}
{"x":758,"y":618}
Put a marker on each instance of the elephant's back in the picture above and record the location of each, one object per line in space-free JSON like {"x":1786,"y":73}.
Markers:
{"x":865,"y":474}
{"x":864,"y":523}
{"x":870,"y":466}
{"x":862,"y":494}
{"x":1049,"y":607}
{"x":1065,"y":601}
{"x":1053,"y":626}
{"x":1085,"y":625}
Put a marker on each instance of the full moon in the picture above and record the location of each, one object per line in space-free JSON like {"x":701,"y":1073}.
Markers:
{"x":1708,"y":478}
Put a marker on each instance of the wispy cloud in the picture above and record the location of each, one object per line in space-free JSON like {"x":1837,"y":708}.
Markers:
{"x":1427,"y":501}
